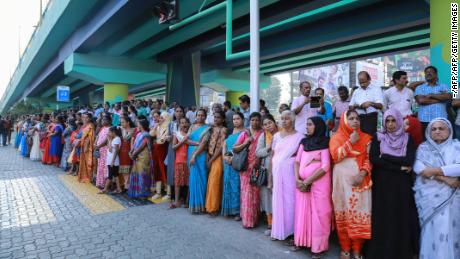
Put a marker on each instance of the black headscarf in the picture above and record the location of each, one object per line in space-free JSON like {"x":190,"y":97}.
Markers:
{"x":318,"y":140}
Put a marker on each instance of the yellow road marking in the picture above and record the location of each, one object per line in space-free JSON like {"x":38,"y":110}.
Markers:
{"x":88,"y":195}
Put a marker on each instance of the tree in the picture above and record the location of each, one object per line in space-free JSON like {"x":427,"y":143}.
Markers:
{"x":271,"y":95}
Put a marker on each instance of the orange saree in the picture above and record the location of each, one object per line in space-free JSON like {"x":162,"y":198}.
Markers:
{"x":85,"y":170}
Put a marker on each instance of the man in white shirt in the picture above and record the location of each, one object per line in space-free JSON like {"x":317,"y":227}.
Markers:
{"x":301,"y":107}
{"x":191,"y":114}
{"x":367,"y":100}
{"x":399,"y":97}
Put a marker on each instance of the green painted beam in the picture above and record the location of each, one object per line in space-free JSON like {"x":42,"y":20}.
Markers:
{"x":229,"y":26}
{"x":149,"y":29}
{"x":78,"y":86}
{"x":240,"y":9}
{"x":98,"y":69}
{"x":348,"y":47}
{"x":347,"y":54}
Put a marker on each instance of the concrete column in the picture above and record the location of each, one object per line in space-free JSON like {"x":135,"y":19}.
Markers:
{"x":183,"y":80}
{"x":114,"y":92}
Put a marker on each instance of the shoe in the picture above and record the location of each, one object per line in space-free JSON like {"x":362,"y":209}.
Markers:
{"x":268,"y":232}
{"x":156,"y":196}
{"x":166,"y":198}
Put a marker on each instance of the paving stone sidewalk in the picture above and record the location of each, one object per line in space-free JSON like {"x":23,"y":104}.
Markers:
{"x":41,"y":218}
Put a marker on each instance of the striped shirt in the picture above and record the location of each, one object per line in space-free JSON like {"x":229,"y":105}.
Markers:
{"x":428,"y":112}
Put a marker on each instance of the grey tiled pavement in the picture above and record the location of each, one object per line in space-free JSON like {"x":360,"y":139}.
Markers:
{"x":41,"y":218}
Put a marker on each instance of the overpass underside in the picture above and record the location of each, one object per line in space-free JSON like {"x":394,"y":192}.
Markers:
{"x":114,"y":50}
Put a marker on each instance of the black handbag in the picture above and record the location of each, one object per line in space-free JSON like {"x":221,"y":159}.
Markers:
{"x":259,"y":175}
{"x":240,"y":160}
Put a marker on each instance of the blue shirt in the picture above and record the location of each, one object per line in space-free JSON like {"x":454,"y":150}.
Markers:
{"x":328,"y":112}
{"x":427,"y":113}
{"x":98,"y":111}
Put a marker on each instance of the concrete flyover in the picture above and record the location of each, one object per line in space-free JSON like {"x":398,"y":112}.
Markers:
{"x":107,"y":50}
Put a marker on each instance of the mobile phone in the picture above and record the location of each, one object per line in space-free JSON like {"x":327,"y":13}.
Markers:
{"x":314,"y":101}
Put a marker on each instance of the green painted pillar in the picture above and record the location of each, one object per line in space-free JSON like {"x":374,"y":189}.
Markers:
{"x":232,"y":97}
{"x":114,"y":92}
{"x":440,"y":38}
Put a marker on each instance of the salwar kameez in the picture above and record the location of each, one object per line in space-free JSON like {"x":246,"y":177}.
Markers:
{"x":231,"y":183}
{"x":159,"y":155}
{"x":284,"y":186}
{"x":352,"y":205}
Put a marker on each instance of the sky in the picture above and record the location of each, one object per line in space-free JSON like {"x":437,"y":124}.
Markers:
{"x":17,"y":21}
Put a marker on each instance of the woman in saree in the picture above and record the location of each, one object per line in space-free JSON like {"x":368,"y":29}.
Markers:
{"x":127,"y":133}
{"x":102,"y":146}
{"x":231,"y":183}
{"x":395,"y":228}
{"x":217,"y":135}
{"x":46,"y":159}
{"x":17,"y":141}
{"x":285,"y":145}
{"x":198,"y":179}
{"x":67,"y":149}
{"x":437,"y":191}
{"x":25,"y":130}
{"x":56,"y":140}
{"x":265,"y":153}
{"x":173,"y":128}
{"x":75,"y":154}
{"x":351,"y":181}
{"x":35,"y":152}
{"x":160,"y":149}
{"x":313,"y":204}
{"x":86,"y":145}
{"x":140,"y":179}
{"x":250,"y":194}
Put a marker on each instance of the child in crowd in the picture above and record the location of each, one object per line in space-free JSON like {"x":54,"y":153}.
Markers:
{"x":181,"y":172}
{"x":113,"y":160}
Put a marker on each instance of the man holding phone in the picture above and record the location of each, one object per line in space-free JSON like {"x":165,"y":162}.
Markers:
{"x":302,"y":108}
{"x":432,"y":98}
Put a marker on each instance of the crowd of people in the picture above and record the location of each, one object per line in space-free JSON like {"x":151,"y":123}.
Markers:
{"x":320,"y":167}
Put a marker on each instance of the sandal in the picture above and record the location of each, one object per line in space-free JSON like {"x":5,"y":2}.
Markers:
{"x":102,"y":192}
{"x":289,"y":242}
{"x":116,"y":192}
{"x":295,"y":248}
{"x":172,"y":206}
{"x":344,"y":255}
{"x":316,"y":255}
